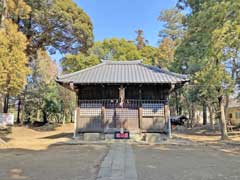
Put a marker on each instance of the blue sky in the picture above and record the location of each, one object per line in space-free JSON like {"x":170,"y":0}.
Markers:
{"x":120,"y":18}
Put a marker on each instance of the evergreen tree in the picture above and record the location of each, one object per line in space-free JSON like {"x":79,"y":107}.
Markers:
{"x":140,"y":40}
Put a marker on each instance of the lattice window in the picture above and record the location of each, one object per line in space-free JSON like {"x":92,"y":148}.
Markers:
{"x":153,"y":109}
{"x":90,"y":109}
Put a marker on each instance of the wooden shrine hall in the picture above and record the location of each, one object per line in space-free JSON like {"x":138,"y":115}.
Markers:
{"x":122,"y":94}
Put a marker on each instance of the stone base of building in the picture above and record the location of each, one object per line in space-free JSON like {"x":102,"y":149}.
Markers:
{"x":134,"y":137}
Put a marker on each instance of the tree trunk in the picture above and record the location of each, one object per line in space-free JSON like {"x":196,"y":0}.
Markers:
{"x":222,"y":120}
{"x":189,"y":119}
{"x":176,"y":99}
{"x":226,"y":105}
{"x":204,"y":114}
{"x":19,"y":111}
{"x":5,"y":105}
{"x":38,"y":115}
{"x":71,"y":116}
{"x":64,"y":118}
{"x":45,"y":117}
{"x":211,"y":117}
{"x":23,"y":104}
{"x":1,"y":103}
{"x":193,"y":118}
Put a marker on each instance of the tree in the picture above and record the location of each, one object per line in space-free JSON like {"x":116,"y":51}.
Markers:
{"x":170,"y":36}
{"x":73,"y":63}
{"x":68,"y":100}
{"x":58,"y":25}
{"x":149,"y":55}
{"x":173,"y":24}
{"x":216,"y":83}
{"x":140,"y":40}
{"x":41,"y":91}
{"x":13,"y":61}
{"x":166,"y":52}
{"x":115,"y":49}
{"x":208,"y":43}
{"x":17,"y":10}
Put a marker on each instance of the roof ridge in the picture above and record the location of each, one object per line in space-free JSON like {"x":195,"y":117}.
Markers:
{"x":121,"y":62}
{"x":184,"y":76}
{"x":167,"y":71}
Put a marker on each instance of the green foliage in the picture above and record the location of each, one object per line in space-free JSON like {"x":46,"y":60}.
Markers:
{"x":170,"y":36}
{"x":166,"y":52}
{"x":173,"y":24}
{"x":51,"y":106}
{"x":13,"y":60}
{"x":18,"y":9}
{"x":140,"y":40}
{"x":41,"y":89}
{"x":149,"y":55}
{"x":115,"y":49}
{"x":213,"y":81}
{"x":210,"y":44}
{"x":58,"y":24}
{"x":73,"y":63}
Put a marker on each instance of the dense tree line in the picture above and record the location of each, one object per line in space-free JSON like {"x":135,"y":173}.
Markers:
{"x":30,"y":30}
{"x":208,"y":48}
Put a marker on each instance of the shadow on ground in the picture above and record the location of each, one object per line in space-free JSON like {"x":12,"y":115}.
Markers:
{"x":60,"y":135}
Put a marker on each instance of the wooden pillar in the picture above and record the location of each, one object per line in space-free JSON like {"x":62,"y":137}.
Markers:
{"x":103,"y":118}
{"x":121,"y":94}
{"x":140,"y":109}
{"x":76,"y":121}
{"x":167,"y":119}
{"x":166,"y":112}
{"x":77,"y":112}
{"x":140,"y":117}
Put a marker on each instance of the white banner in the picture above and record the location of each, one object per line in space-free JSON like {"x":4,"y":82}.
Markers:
{"x":6,"y":119}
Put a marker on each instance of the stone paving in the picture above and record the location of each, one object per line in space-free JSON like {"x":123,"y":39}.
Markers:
{"x":119,"y":163}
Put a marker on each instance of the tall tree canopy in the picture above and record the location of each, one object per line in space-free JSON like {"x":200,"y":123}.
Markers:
{"x":210,"y":41}
{"x":172,"y":20}
{"x":170,"y":36}
{"x":58,"y":24}
{"x":112,"y":49}
{"x":140,"y":40}
{"x":115,"y":49}
{"x":13,"y":61}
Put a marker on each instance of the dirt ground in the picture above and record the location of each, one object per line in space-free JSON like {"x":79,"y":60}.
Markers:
{"x":185,"y":163}
{"x":201,"y":137}
{"x":39,"y":154}
{"x":36,"y":139}
{"x":65,"y":162}
{"x":35,"y":154}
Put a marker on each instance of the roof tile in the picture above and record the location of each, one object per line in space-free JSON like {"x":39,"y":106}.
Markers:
{"x":122,"y":72}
